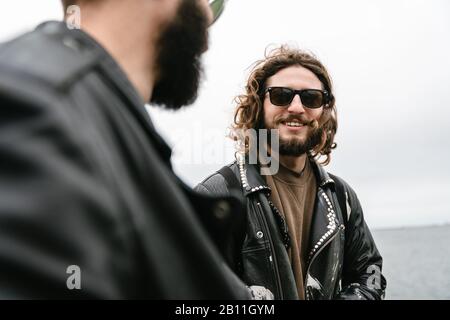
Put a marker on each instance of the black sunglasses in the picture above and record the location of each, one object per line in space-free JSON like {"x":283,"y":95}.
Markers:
{"x":311,"y":98}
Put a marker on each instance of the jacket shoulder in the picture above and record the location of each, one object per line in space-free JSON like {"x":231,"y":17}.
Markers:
{"x":345,"y":185}
{"x":215,"y":183}
{"x":353,"y":205}
{"x":45,"y":55}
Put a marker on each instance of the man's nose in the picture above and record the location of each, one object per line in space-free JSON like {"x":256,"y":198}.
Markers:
{"x":296,"y":105}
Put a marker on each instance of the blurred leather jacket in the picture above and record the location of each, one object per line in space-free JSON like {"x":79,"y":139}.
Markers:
{"x":86,"y":180}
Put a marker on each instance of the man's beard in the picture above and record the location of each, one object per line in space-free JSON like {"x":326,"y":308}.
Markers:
{"x":179,"y":57}
{"x":293,"y":146}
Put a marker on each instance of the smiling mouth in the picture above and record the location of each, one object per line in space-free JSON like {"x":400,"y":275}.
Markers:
{"x":293,"y":123}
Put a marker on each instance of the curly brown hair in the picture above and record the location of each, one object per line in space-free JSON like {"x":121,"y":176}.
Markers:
{"x":249,"y":110}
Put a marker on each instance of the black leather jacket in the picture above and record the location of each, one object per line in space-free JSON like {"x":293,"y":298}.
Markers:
{"x":343,"y":262}
{"x":86,"y":180}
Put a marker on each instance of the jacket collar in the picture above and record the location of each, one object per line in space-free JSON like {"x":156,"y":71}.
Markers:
{"x":322,"y":176}
{"x":87,"y":46}
{"x":252,"y":180}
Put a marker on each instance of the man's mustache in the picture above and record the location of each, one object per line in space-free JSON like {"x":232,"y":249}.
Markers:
{"x":314,"y":124}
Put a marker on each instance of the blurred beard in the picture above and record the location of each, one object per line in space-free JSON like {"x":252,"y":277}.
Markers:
{"x":294,"y":146}
{"x":179,"y":57}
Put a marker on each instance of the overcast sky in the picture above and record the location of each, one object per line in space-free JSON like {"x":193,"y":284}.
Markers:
{"x":390,"y":63}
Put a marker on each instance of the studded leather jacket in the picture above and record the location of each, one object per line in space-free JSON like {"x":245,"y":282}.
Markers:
{"x":343,"y":261}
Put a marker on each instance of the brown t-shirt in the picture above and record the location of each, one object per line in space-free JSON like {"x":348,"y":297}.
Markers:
{"x":294,"y":195}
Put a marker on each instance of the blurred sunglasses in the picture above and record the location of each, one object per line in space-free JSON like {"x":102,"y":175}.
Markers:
{"x":311,"y":98}
{"x":217,"y":7}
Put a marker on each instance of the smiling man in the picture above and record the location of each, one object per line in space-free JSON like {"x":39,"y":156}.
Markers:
{"x":89,"y":204}
{"x":306,"y":236}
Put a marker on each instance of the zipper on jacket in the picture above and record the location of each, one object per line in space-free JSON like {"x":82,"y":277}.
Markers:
{"x":314,"y":257}
{"x":272,"y":249}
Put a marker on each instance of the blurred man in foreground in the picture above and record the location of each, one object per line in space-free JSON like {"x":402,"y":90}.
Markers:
{"x":89,"y":205}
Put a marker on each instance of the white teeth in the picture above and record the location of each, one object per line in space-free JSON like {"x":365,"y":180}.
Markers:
{"x":294,"y":124}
